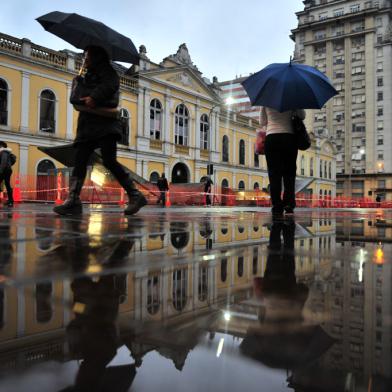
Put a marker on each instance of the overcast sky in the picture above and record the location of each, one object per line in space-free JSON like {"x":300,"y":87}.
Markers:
{"x":224,"y":37}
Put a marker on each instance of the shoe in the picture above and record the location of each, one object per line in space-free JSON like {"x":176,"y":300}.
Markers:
{"x":73,"y":204}
{"x":136,"y":202}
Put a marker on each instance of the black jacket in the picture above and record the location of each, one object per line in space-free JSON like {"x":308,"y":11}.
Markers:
{"x":5,"y":159}
{"x":91,"y":126}
{"x":163,"y":184}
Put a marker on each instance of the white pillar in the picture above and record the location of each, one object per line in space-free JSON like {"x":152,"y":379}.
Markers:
{"x":24,"y":120}
{"x":23,"y":159}
{"x":167,"y":124}
{"x":69,"y":132}
{"x":140,"y":117}
{"x":147,"y":98}
{"x":234,"y":147}
{"x":197,"y":133}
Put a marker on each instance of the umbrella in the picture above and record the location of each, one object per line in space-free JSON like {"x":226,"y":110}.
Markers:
{"x":82,"y":32}
{"x":287,"y":350}
{"x":65,"y":154}
{"x":289,"y":86}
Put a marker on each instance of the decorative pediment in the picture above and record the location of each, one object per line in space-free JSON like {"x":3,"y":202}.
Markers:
{"x":181,"y":78}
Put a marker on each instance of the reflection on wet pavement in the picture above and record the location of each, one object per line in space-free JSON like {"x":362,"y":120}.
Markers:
{"x":189,"y":300}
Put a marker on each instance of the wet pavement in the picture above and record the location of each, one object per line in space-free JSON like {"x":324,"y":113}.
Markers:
{"x":193,"y":299}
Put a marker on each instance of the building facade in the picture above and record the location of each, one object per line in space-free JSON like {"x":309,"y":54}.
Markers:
{"x":351,"y":42}
{"x":177,"y":123}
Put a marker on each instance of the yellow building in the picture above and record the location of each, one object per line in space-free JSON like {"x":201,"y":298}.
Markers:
{"x":177,"y":122}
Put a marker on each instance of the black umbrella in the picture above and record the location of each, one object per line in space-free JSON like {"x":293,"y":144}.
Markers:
{"x":82,"y":32}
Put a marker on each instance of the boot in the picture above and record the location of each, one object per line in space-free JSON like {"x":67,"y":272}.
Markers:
{"x":73,"y":204}
{"x":136,"y":200}
{"x":10,"y":199}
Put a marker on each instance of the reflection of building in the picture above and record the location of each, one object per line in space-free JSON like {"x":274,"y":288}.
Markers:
{"x":351,"y":42}
{"x":177,"y":122}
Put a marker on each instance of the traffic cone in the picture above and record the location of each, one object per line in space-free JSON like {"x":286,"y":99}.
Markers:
{"x":16,"y":192}
{"x":167,"y":204}
{"x":58,"y":200}
{"x":122,"y":194}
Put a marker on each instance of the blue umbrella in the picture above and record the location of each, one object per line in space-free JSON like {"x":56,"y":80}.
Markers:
{"x":289,"y":86}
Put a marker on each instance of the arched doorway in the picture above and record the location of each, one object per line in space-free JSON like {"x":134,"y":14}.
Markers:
{"x":46,"y":180}
{"x":180,"y":173}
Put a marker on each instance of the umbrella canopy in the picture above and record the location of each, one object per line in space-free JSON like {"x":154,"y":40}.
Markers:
{"x":82,"y":32}
{"x":289,"y":86}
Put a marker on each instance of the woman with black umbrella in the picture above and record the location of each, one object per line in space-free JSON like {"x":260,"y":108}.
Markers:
{"x":97,"y":131}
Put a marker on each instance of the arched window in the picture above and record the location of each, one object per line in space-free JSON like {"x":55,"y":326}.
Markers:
{"x":241,"y":229}
{"x":302,"y":165}
{"x":181,"y":125}
{"x":242,"y":152}
{"x":204,"y":130}
{"x":223,"y":271}
{"x":241,"y":185}
{"x":225,"y":149}
{"x":224,"y":230}
{"x":240,"y":266}
{"x":46,"y":180}
{"x":225,"y":183}
{"x":3,"y":102}
{"x":256,"y":159}
{"x":43,"y":302}
{"x":330,"y":170}
{"x":179,"y":236}
{"x":255,"y":260}
{"x":155,"y":119}
{"x":203,"y":283}
{"x":311,"y":173}
{"x":256,"y":186}
{"x":154,"y":177}
{"x":180,"y":280}
{"x":153,"y":294}
{"x":47,"y":121}
{"x":124,"y":127}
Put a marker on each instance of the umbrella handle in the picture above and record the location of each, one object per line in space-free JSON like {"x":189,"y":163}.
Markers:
{"x":82,"y":67}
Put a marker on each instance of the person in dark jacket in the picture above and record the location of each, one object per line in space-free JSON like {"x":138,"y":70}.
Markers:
{"x":6,"y":171}
{"x":97,"y":131}
{"x":163,"y":187}
{"x":207,"y":190}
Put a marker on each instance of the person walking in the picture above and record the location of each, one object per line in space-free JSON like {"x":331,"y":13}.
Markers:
{"x":163,"y":187}
{"x":98,"y":132}
{"x":6,"y":170}
{"x":281,"y":154}
{"x":207,"y":190}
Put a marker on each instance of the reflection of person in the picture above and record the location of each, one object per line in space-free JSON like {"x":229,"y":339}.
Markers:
{"x":6,"y":171}
{"x":207,"y":190}
{"x":378,"y":199}
{"x":281,"y":154}
{"x":6,"y":248}
{"x":163,"y":187}
{"x":95,"y":131}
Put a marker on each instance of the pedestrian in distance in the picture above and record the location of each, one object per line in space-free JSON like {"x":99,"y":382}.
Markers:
{"x":281,"y":154}
{"x":207,"y":190}
{"x":95,"y":131}
{"x":163,"y":187}
{"x":7,"y":159}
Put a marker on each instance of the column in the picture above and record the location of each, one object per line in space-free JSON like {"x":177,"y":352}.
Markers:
{"x":197,"y":133}
{"x":234,"y":147}
{"x":167,"y":124}
{"x":69,"y":132}
{"x":24,"y":121}
{"x":147,"y":99}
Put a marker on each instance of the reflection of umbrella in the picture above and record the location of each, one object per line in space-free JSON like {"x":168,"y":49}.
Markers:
{"x":82,"y":32}
{"x":287,"y":350}
{"x":65,"y":154}
{"x":289,"y":86}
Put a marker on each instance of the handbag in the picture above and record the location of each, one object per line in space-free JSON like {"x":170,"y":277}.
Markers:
{"x":80,"y":88}
{"x":260,"y":142}
{"x":302,"y":136}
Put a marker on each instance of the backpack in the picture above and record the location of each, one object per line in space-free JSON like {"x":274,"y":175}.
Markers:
{"x":12,"y":159}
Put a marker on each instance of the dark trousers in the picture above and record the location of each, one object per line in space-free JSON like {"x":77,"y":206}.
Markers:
{"x":162,"y":198}
{"x":281,"y":154}
{"x":108,"y":147}
{"x":6,"y":177}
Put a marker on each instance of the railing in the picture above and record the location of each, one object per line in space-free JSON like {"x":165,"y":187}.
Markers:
{"x":46,"y":55}
{"x":10,"y":44}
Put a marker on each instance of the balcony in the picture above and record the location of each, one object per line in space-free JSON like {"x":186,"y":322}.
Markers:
{"x":204,"y":154}
{"x":156,"y":145}
{"x":179,"y":149}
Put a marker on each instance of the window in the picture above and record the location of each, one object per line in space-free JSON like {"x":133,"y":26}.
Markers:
{"x":155,"y":119}
{"x":203,"y":283}
{"x":357,"y":70}
{"x":225,"y":149}
{"x":380,"y":111}
{"x":225,"y":183}
{"x":380,"y":66}
{"x":181,"y":125}
{"x":355,"y":8}
{"x":256,"y":186}
{"x":240,"y":266}
{"x":359,"y":98}
{"x":358,"y":56}
{"x":125,"y":127}
{"x":381,"y":184}
{"x":204,"y":130}
{"x":47,"y":112}
{"x":179,"y":289}
{"x":242,"y":152}
{"x":380,"y":96}
{"x":311,"y":167}
{"x":154,"y":177}
{"x":256,"y":160}
{"x":323,"y":15}
{"x":338,"y":12}
{"x":380,"y":52}
{"x":153,"y":294}
{"x":3,"y":102}
{"x":378,"y":21}
{"x":380,"y":125}
{"x":380,"y":155}
{"x":241,"y":185}
{"x":380,"y":140}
